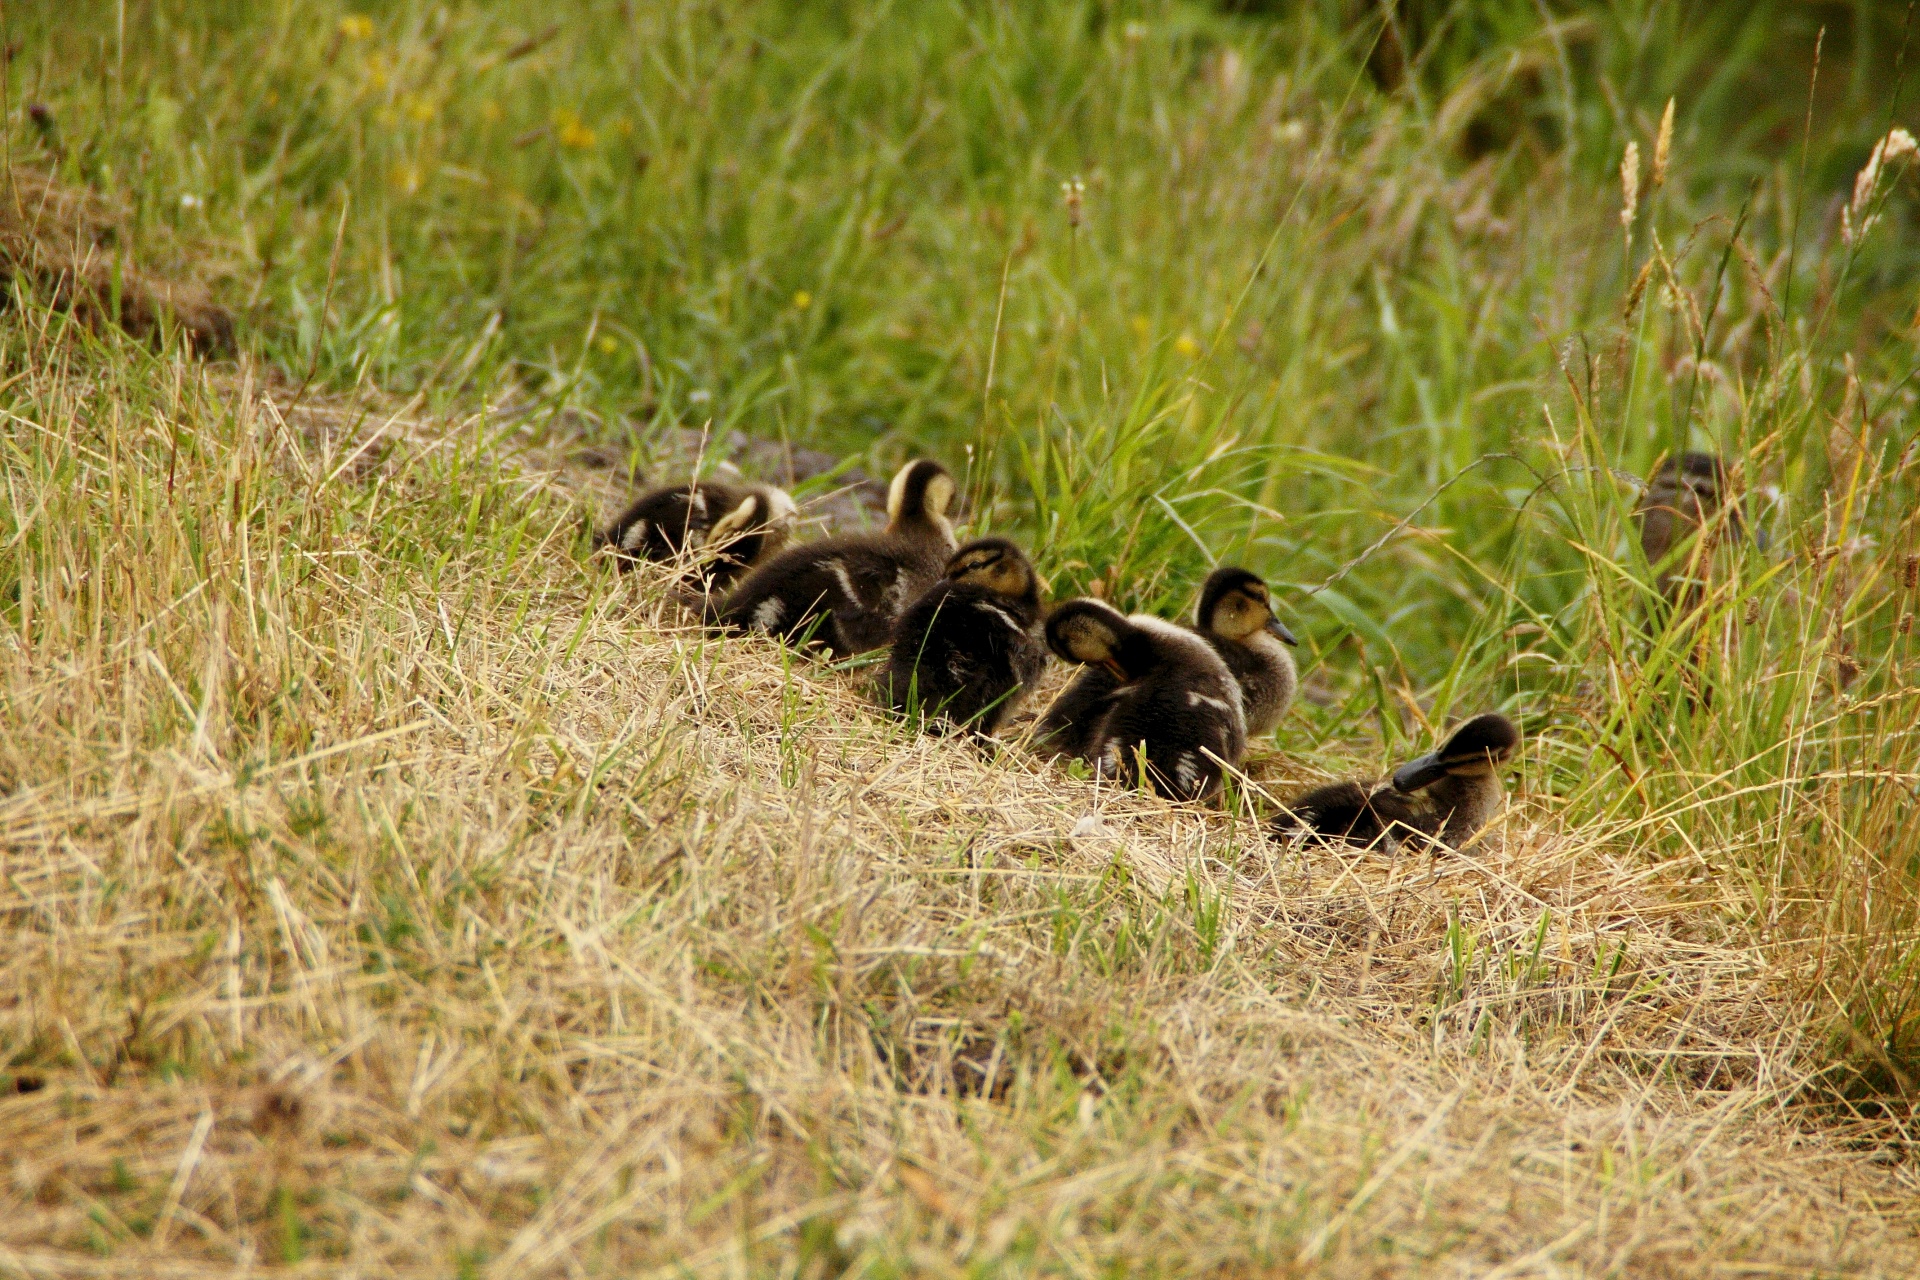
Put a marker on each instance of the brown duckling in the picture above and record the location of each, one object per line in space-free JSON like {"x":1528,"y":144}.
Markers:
{"x":1448,"y":795}
{"x":722,"y":528}
{"x":965,"y":651}
{"x":1173,"y":700}
{"x":1683,"y":496}
{"x":845,"y":593}
{"x":1235,"y":616}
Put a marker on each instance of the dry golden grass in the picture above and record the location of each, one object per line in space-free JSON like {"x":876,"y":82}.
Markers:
{"x":392,"y":892}
{"x":76,"y":250}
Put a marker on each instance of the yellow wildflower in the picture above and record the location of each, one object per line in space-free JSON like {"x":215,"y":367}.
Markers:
{"x":1186,"y":345}
{"x":607,"y":344}
{"x":802,"y":300}
{"x":1141,"y":327}
{"x":356,"y":26}
{"x":573,"y":134}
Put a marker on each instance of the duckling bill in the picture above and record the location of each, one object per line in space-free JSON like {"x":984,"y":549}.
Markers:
{"x":1447,"y":795}
{"x":722,"y":529}
{"x":965,"y":651}
{"x":1173,"y":710}
{"x":844,"y":594}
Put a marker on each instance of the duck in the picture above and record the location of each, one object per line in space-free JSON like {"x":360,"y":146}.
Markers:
{"x":1446,"y":796}
{"x":724,"y":529}
{"x":844,"y":594}
{"x":1235,"y":616}
{"x":1681,"y":498}
{"x":967,"y":649}
{"x":1172,"y":700}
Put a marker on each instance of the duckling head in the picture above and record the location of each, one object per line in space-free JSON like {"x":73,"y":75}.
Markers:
{"x":1689,"y":486}
{"x":1090,"y":632}
{"x":1478,"y":748}
{"x":997,"y":565}
{"x":919,"y":497}
{"x":1234,"y":603}
{"x":768,"y":509}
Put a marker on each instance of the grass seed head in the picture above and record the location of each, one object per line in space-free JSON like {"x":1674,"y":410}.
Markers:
{"x":1629,"y":184}
{"x":1663,"y":147}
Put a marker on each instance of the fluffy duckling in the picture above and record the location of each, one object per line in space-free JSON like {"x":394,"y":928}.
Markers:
{"x":1172,"y":697}
{"x":965,"y":650}
{"x":1235,"y":616}
{"x":1447,"y":795}
{"x":724,"y":529}
{"x":848,"y":591}
{"x":1681,"y":498}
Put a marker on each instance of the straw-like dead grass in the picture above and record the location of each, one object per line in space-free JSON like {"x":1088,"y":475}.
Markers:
{"x":73,"y":248}
{"x":392,"y":893}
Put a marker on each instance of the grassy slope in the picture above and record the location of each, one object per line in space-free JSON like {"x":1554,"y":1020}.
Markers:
{"x":630,"y":949}
{"x":386,"y":890}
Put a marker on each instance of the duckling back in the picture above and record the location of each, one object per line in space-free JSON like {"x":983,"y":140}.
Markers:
{"x":965,"y":651}
{"x":1184,"y":716}
{"x":845,"y":594}
{"x":1175,"y":708}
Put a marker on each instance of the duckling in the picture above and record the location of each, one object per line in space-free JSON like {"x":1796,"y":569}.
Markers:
{"x":723,"y":528}
{"x":847,"y":592}
{"x":965,"y":651}
{"x":1447,"y":795}
{"x":1681,"y":498}
{"x":1172,"y":697}
{"x":1235,"y":616}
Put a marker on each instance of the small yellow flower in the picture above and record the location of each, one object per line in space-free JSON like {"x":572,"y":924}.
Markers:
{"x":573,"y":134}
{"x":356,"y":26}
{"x":607,"y":344}
{"x":1141,"y":327}
{"x":802,"y":300}
{"x":1186,"y":345}
{"x":490,"y":112}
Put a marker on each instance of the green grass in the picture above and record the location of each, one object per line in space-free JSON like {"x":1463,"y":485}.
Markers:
{"x":1354,"y":307}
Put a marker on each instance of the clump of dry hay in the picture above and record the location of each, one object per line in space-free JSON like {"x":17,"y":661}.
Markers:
{"x":391,"y":893}
{"x":72,"y":248}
